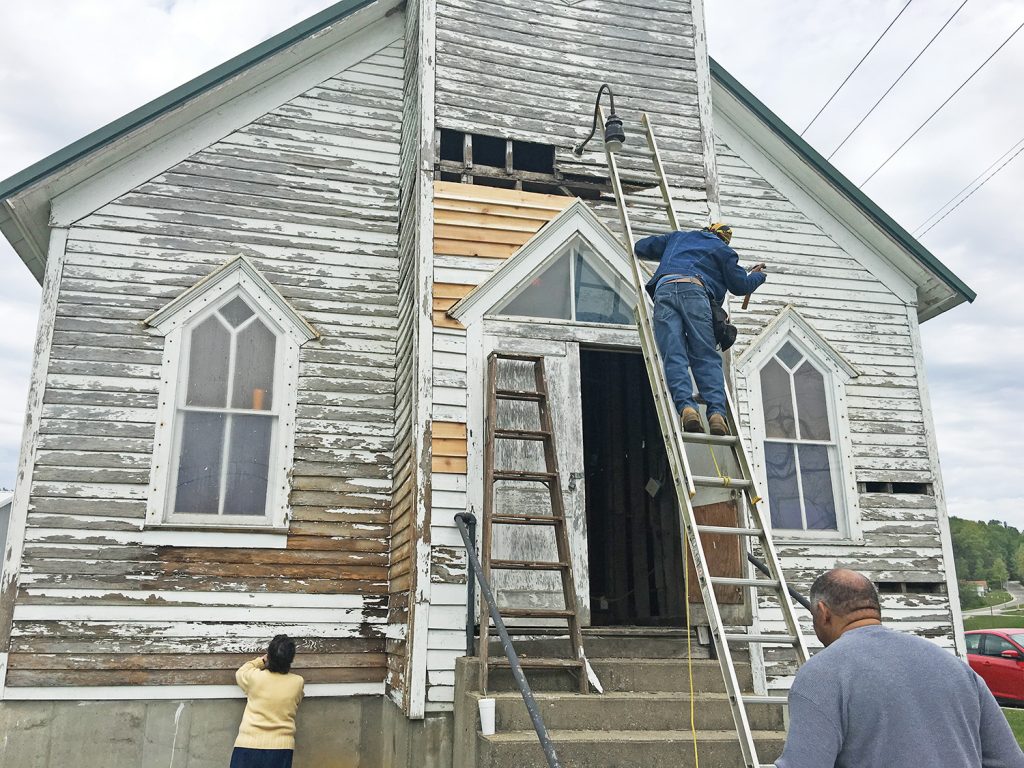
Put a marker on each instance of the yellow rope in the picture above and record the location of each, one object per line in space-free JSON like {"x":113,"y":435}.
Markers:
{"x":689,"y":651}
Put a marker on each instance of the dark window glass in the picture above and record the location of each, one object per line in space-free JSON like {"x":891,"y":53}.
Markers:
{"x":790,"y":355}
{"x":248,"y":465}
{"x":596,"y":300}
{"x":253,"y":388}
{"x":995,"y":645}
{"x":199,"y":465}
{"x":208,"y":359}
{"x":782,"y":485}
{"x":545,"y":295}
{"x":778,"y":401}
{"x":236,"y":311}
{"x":973,"y":643}
{"x":816,"y":481}
{"x":811,"y":403}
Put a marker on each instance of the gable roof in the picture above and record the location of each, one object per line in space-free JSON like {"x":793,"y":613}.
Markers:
{"x":25,"y":196}
{"x":147,"y":112}
{"x":868,"y":208}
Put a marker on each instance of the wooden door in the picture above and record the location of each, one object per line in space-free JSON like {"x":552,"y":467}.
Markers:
{"x":562,"y":373}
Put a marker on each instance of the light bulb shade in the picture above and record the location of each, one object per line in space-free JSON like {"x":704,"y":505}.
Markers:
{"x":614,"y":136}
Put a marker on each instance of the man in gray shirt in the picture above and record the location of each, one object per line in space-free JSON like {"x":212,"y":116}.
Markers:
{"x":875,"y":698}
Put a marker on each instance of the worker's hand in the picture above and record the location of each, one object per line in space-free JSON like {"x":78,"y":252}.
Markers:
{"x":759,"y":268}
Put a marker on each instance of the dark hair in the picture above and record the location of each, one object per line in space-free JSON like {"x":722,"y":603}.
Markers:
{"x":845,"y":591}
{"x":280,"y":654}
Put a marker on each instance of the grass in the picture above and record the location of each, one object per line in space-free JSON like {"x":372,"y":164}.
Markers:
{"x":996,"y":597}
{"x":1015,"y":717}
{"x":1008,"y":620}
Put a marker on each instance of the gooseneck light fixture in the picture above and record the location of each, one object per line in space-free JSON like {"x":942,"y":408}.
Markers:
{"x":614,"y":136}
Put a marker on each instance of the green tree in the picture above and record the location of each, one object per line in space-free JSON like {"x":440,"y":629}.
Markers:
{"x":997,"y":573}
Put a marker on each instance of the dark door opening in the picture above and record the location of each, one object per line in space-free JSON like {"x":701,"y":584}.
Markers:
{"x":636,"y":575}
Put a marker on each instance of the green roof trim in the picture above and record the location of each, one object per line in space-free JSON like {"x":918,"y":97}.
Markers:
{"x":178,"y":96}
{"x":843,"y":184}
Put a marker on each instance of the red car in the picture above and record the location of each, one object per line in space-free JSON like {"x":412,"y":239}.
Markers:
{"x":998,"y":656}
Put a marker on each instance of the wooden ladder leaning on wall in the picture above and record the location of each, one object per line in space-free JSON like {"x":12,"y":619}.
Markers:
{"x":551,"y":479}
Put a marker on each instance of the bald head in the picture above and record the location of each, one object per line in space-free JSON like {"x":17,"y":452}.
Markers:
{"x":845,"y":592}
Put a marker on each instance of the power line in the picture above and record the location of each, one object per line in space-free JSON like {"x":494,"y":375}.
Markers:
{"x":896,"y":81}
{"x":967,"y":186}
{"x":943,"y":104}
{"x":986,"y":181}
{"x":884,"y":32}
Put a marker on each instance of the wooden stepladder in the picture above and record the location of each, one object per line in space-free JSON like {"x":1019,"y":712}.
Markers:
{"x":751,"y":528}
{"x":555,"y":519}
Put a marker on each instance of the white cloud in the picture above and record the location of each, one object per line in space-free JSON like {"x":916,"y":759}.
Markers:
{"x":974,"y":354}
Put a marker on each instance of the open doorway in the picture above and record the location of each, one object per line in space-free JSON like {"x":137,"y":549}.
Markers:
{"x":636,"y":576}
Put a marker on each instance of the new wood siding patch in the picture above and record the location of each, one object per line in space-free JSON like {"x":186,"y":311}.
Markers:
{"x":449,"y":449}
{"x":488,"y":222}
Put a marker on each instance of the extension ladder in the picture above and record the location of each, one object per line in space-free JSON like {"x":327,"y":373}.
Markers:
{"x":752,"y":527}
{"x":551,"y":479}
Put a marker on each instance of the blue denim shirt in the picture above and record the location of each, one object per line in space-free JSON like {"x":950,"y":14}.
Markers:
{"x":697,"y":253}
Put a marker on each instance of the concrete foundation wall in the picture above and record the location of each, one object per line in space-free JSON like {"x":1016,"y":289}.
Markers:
{"x":353,"y":732}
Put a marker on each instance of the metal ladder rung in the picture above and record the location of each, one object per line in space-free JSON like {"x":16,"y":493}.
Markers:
{"x":734,"y":582}
{"x":729,"y":530}
{"x":521,"y":434}
{"x":762,"y":639}
{"x":519,"y":394}
{"x":528,"y":565}
{"x":700,"y":437}
{"x":513,"y":519}
{"x":765,"y":699}
{"x":721,"y":482}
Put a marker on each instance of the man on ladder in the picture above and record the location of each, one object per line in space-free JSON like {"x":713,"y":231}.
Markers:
{"x":695,"y":269}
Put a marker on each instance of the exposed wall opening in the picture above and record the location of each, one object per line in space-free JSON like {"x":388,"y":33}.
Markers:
{"x":918,"y":489}
{"x":911,"y":587}
{"x":494,"y":161}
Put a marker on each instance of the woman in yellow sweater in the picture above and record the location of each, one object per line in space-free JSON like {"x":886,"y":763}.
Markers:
{"x":266,"y":737}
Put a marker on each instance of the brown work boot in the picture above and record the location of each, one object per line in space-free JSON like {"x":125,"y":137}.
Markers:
{"x":717,"y":425}
{"x":691,"y":420}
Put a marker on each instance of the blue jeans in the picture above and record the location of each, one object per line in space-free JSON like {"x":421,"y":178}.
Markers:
{"x":686,"y":340}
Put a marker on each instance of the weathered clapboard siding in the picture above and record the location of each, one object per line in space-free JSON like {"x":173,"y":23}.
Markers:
{"x":401,"y":573}
{"x":309,"y":192}
{"x":531,"y":70}
{"x":867,"y":323}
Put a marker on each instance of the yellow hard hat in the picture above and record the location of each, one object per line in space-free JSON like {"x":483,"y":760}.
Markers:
{"x":721,"y":229}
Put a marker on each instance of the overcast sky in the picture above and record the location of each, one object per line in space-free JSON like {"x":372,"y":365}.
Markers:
{"x":71,"y":66}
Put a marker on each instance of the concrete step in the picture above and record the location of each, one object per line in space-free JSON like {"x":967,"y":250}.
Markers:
{"x":665,"y":675}
{"x":624,"y":749}
{"x":665,"y":644}
{"x":624,"y":710}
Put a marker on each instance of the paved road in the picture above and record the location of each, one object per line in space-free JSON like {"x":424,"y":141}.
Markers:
{"x":1017,"y":593}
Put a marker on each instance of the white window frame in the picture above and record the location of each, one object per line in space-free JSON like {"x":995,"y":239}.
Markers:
{"x":236,"y":278}
{"x":791,"y":327}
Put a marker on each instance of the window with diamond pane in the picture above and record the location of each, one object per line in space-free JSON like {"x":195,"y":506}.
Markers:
{"x":226,"y":422}
{"x":801,"y":455}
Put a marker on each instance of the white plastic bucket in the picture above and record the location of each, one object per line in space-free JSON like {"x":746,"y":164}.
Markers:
{"x":486,"y":716}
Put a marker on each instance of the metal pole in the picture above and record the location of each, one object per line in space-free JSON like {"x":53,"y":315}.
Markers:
{"x":792,"y":592}
{"x":462,"y":520}
{"x":470,"y":521}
